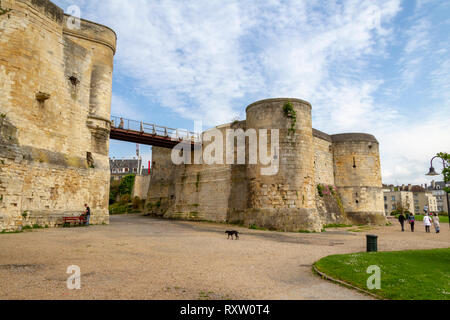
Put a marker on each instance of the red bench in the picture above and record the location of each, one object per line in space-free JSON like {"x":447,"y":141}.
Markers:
{"x":68,"y":221}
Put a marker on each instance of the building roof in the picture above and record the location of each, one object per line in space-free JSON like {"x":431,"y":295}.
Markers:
{"x":124,"y":163}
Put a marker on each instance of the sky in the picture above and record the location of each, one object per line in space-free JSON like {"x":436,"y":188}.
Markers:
{"x":378,"y":66}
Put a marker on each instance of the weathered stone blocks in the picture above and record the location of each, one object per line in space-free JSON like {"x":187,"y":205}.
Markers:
{"x":53,"y":151}
{"x":346,"y":166}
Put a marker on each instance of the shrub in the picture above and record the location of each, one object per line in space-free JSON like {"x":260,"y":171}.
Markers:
{"x":124,"y":199}
{"x":137,"y":203}
{"x":126,"y":185}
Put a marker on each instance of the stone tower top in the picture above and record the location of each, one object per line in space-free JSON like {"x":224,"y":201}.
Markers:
{"x":278,"y":100}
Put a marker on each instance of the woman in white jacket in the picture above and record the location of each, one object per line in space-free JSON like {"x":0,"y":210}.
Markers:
{"x":427,"y":223}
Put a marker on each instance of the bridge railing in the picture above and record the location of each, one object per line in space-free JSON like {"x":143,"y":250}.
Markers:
{"x":154,"y":129}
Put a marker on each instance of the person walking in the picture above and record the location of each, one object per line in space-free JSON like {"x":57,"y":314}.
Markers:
{"x":436,"y":223}
{"x":412,"y":221}
{"x":87,"y":213}
{"x":427,"y":223}
{"x":401,"y":219}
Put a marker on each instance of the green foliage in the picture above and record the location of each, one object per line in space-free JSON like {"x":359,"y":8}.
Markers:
{"x":3,"y":11}
{"x":118,"y":208}
{"x":405,"y":275}
{"x":289,"y":112}
{"x":255,"y":227}
{"x":10,"y":232}
{"x":399,"y":211}
{"x":137,"y":203}
{"x":320,"y":190}
{"x":306,"y":231}
{"x":125,"y":199}
{"x":328,"y":226}
{"x":113,"y":191}
{"x":446,"y":172}
{"x":25,"y":214}
{"x":126,"y":185}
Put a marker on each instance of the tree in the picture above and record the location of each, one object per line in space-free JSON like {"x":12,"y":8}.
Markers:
{"x":446,"y":172}
{"x":401,"y":209}
{"x":126,"y":185}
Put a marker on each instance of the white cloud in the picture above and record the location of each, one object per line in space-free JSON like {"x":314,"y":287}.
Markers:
{"x":123,"y":108}
{"x":204,"y":59}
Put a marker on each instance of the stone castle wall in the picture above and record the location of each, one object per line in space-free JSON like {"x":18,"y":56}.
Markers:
{"x":346,"y":167}
{"x":55,"y":100}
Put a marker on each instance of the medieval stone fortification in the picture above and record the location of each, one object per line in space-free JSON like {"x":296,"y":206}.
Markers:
{"x":55,"y":96}
{"x":322,"y":179}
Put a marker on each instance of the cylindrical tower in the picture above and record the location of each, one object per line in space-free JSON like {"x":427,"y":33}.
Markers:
{"x":358,"y":177}
{"x":286,"y":199}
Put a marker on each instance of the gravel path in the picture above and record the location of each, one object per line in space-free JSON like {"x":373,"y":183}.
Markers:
{"x":142,"y":258}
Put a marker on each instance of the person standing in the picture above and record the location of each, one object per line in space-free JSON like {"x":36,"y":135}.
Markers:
{"x":427,"y":223}
{"x":87,"y":213}
{"x":436,"y":223}
{"x":401,"y":219}
{"x":412,"y":221}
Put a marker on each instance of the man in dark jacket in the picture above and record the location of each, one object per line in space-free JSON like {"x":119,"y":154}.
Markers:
{"x":401,"y":219}
{"x":87,"y":214}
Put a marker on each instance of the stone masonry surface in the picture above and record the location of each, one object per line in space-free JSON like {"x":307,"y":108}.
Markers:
{"x":322,"y":179}
{"x":55,"y":96}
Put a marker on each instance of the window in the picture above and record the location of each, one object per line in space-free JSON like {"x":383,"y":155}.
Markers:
{"x":394,"y":207}
{"x":393,"y":198}
{"x":385,"y":207}
{"x":385,"y":198}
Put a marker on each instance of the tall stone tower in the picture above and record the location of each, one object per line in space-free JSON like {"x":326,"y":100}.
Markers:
{"x":321,"y":179}
{"x":357,"y":173}
{"x":288,"y":197}
{"x":55,"y":83}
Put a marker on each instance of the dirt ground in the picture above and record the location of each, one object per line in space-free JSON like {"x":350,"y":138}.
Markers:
{"x":142,"y":258}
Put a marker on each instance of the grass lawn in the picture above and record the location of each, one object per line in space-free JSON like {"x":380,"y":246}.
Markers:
{"x":442,"y":219}
{"x":405,"y":275}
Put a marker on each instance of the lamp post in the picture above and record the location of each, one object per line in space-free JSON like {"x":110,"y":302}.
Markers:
{"x":434,"y":173}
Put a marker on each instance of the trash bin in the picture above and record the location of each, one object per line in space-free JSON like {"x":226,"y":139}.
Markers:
{"x":372,"y":243}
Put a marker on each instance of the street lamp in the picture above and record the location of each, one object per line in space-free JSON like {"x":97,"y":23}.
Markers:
{"x":434,"y":173}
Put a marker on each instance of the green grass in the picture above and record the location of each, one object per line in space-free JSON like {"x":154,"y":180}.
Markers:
{"x":10,"y":232}
{"x":328,"y":226}
{"x":442,"y":219}
{"x":118,"y":208}
{"x":405,"y":275}
{"x":255,"y":227}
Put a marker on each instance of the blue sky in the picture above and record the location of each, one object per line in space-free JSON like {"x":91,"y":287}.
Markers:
{"x":378,"y":66}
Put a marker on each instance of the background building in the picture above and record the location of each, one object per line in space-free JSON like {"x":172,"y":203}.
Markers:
{"x":122,"y":167}
{"x":394,"y":200}
{"x":437,"y":189}
{"x":421,"y":198}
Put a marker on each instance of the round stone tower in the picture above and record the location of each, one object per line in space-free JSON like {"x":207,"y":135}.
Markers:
{"x":358,"y":177}
{"x":284,"y":199}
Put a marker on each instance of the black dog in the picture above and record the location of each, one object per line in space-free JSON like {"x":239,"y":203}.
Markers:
{"x":232,"y":234}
